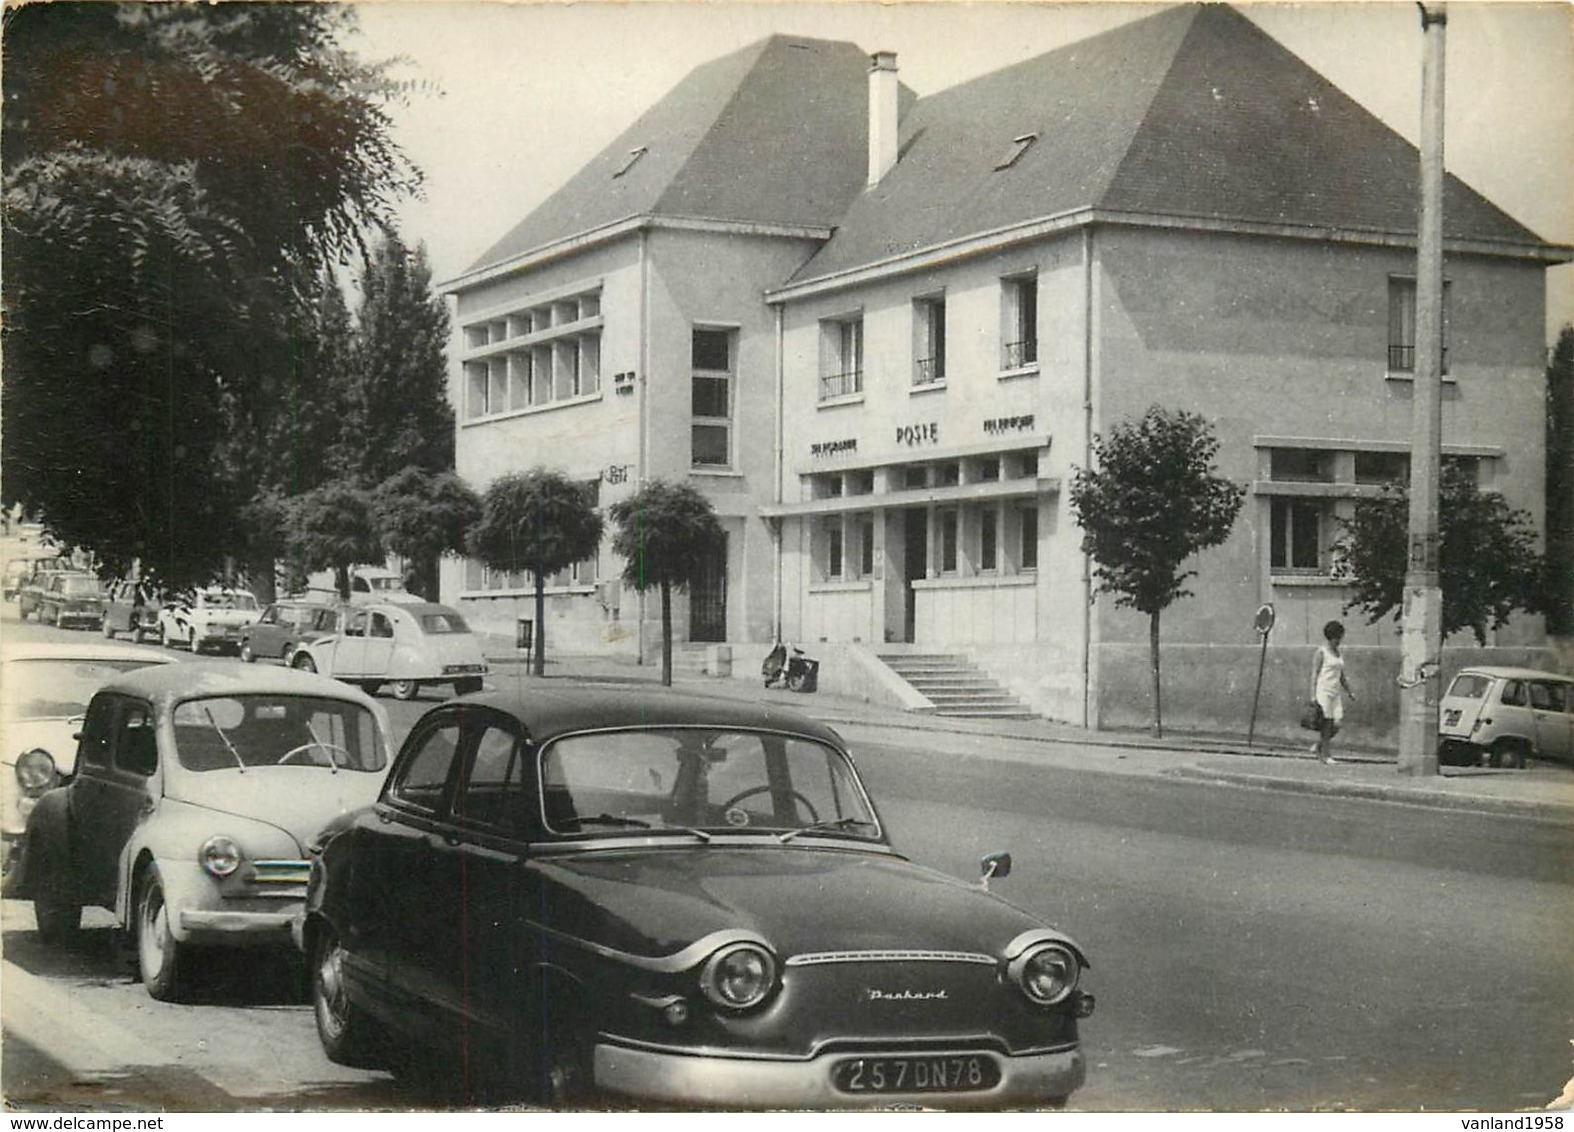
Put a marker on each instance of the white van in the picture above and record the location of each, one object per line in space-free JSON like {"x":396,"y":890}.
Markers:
{"x":1506,"y":715}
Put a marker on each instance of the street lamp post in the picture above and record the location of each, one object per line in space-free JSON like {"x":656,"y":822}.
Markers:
{"x":1422,"y":639}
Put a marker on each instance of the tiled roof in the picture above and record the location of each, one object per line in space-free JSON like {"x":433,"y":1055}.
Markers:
{"x":774,"y":134}
{"x":1194,"y":112}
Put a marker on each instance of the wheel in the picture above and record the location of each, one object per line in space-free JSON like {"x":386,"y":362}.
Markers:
{"x":58,"y":921}
{"x":796,"y":680}
{"x":567,"y":1078}
{"x":246,"y":654}
{"x":406,"y":689}
{"x":1507,"y":754}
{"x":348,"y":1034}
{"x":467,"y":685}
{"x":163,"y":635}
{"x":159,"y":955}
{"x":191,"y":642}
{"x":753,"y":790}
{"x":105,"y":628}
{"x":371,"y":687}
{"x":304,"y":662}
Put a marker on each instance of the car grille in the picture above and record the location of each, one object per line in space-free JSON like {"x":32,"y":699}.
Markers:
{"x":282,"y":879}
{"x":811,"y":958}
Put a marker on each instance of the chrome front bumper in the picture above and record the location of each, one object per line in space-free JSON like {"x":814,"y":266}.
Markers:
{"x":664,"y":1076}
{"x":235,"y":928}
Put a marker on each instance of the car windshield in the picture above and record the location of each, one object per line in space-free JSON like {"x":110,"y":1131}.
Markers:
{"x":246,"y":731}
{"x":1469,"y":686}
{"x":73,"y":586}
{"x":225,"y":599}
{"x":55,"y":688}
{"x":695,"y":778}
{"x":442,"y":621}
{"x":297,"y":617}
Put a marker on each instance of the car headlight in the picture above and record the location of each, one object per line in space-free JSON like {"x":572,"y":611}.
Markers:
{"x":220,"y":856}
{"x":739,"y":976}
{"x":36,"y":772}
{"x":1047,"y":972}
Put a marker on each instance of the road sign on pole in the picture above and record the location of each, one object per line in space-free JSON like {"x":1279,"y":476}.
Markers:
{"x":1263,"y":623}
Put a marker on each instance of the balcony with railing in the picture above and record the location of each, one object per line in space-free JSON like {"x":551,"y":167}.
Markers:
{"x":834,"y":385}
{"x":928,"y":371}
{"x":1402,"y":359}
{"x":1020,"y":355}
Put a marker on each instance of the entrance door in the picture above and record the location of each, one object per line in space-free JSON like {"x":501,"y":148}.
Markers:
{"x":708,"y":596}
{"x":915,"y":565}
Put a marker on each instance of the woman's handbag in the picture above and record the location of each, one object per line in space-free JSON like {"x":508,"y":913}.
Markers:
{"x":1312,"y":716}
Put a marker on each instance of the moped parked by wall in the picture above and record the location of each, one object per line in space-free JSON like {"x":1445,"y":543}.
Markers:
{"x":790,"y":666}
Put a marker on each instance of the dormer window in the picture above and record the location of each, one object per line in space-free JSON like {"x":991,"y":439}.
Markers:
{"x":1019,"y":146}
{"x":629,"y":161}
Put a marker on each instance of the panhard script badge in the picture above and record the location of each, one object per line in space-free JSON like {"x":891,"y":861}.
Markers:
{"x":878,"y":995}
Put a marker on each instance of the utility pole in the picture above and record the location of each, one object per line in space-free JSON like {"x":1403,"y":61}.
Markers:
{"x":1422,"y":640}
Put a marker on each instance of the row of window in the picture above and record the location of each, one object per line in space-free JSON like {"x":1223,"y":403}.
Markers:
{"x":480,"y":578}
{"x":560,"y":370}
{"x":988,"y":468}
{"x":999,"y":537}
{"x":1302,"y":530}
{"x":535,"y":356}
{"x":842,"y":340}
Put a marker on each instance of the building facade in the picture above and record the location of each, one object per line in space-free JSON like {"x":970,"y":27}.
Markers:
{"x":886,"y":399}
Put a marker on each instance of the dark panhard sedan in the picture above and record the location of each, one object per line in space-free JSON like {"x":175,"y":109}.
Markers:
{"x":647,"y":898}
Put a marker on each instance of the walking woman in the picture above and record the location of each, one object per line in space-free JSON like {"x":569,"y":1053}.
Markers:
{"x":1329,"y":687}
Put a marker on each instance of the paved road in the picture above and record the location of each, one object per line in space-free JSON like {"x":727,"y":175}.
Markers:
{"x":1251,"y":950}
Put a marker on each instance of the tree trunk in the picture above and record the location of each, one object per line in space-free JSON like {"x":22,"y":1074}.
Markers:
{"x":539,"y":662}
{"x":1153,"y":661}
{"x":260,"y":575}
{"x":341,"y":581}
{"x":666,"y":633}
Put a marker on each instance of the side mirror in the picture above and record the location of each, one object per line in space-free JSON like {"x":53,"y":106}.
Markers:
{"x":993,"y":865}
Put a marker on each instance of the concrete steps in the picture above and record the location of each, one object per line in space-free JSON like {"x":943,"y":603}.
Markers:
{"x":955,"y":686}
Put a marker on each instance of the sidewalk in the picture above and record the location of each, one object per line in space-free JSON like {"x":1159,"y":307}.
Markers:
{"x":1542,"y":790}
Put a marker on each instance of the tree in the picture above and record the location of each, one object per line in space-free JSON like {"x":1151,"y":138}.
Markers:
{"x":398,"y":411}
{"x":1560,"y":486}
{"x":422,"y":516}
{"x":1488,"y":564}
{"x":172,"y":175}
{"x":331,"y":528}
{"x":540,"y":521}
{"x":1152,"y":503}
{"x":663,"y":534}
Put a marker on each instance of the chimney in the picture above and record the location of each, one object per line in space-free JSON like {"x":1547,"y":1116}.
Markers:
{"x":882,"y":114}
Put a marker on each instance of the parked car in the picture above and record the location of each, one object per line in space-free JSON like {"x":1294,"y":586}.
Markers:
{"x":207,"y":618}
{"x":1505,"y":715}
{"x":374,"y":584}
{"x":672,"y":900}
{"x":283,"y":626}
{"x":130,"y":607}
{"x":31,"y":596}
{"x":407,"y":646}
{"x":44,"y":691}
{"x":197,"y":787}
{"x":18,"y":570}
{"x":72,"y":599}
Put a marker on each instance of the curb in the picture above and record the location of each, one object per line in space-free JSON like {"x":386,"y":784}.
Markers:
{"x":1381,"y":792}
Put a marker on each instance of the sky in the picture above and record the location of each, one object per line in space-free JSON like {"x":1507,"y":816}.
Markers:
{"x":514,"y":97}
